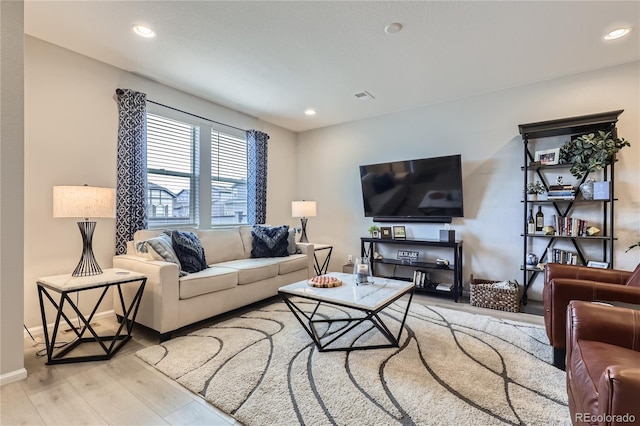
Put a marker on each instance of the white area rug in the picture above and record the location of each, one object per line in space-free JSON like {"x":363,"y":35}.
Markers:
{"x":451,"y":368}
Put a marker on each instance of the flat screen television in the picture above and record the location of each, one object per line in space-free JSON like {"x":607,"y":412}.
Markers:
{"x":422,"y":190}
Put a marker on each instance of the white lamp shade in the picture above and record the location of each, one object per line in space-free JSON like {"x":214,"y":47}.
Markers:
{"x":303,"y":209}
{"x":84,"y":201}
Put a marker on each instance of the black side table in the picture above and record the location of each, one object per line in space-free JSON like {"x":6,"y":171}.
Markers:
{"x":67,"y":284}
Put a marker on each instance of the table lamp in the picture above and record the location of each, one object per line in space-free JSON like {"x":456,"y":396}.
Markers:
{"x":303,"y":210}
{"x":85,"y":202}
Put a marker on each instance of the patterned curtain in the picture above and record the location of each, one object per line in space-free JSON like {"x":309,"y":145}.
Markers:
{"x":257,"y":176}
{"x":131,"y":187}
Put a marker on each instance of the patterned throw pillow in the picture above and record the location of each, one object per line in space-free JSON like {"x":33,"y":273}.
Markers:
{"x":189,"y":250}
{"x":270,"y":241}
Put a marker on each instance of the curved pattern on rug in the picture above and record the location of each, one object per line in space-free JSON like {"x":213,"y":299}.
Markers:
{"x":452,"y":367}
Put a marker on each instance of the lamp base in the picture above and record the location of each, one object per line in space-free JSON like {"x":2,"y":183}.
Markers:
{"x":87,"y":265}
{"x":303,"y":237}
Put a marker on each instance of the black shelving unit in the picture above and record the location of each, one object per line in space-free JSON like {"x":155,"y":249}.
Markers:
{"x":368,"y":248}
{"x":580,"y":125}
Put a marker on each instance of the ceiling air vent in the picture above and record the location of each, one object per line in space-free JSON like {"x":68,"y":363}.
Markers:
{"x":364,"y":96}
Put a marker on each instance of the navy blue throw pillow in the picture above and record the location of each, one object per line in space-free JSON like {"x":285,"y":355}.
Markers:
{"x":270,"y":241}
{"x":189,"y":250}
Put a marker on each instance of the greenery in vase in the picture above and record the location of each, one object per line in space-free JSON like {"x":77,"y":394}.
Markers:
{"x":534,"y":188}
{"x":373,"y":228}
{"x":591,"y":152}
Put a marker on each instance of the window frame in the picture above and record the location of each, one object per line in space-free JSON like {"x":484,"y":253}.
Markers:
{"x":202,"y":183}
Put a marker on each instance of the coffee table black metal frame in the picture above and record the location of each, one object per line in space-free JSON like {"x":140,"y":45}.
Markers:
{"x":115,"y":341}
{"x":308,"y":322}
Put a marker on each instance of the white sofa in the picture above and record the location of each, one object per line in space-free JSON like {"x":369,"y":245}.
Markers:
{"x":233,"y":280}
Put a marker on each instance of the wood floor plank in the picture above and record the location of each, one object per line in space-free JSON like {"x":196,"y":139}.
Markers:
{"x":135,"y":375}
{"x":197,"y":414}
{"x":16,"y":408}
{"x":63,"y":405}
{"x":112,"y":400}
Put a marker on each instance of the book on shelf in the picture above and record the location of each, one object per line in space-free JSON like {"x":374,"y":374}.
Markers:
{"x":567,"y":226}
{"x":563,"y":256}
{"x":444,"y":287}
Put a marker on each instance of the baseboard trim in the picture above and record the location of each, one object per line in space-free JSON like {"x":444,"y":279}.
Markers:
{"x":39,"y":330}
{"x":13,"y":376}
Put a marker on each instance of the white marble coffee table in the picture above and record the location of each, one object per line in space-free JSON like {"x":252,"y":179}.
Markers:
{"x":369,"y":299}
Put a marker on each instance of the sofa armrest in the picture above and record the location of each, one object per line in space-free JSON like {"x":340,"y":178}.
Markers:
{"x":307,"y":248}
{"x":601,"y":323}
{"x":618,"y":392}
{"x":159,"y":306}
{"x":558,"y":292}
{"x":559,"y":270}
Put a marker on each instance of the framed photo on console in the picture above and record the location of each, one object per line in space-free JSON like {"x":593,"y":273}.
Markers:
{"x":399,"y":233}
{"x":385,"y":232}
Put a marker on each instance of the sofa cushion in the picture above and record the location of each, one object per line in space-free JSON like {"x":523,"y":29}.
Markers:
{"x":293,"y":263}
{"x":252,"y":270}
{"x":207,"y":281}
{"x":634,"y":279}
{"x":190,"y":252}
{"x":270,"y":241}
{"x":221,"y":245}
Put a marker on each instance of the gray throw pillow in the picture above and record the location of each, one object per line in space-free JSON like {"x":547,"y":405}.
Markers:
{"x":292,"y":247}
{"x":161,"y":245}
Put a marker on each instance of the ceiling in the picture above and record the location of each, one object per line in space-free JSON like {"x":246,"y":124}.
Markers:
{"x":273,"y":59}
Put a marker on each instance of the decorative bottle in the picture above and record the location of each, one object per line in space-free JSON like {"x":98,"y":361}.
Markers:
{"x":531,"y":225}
{"x":539,"y":220}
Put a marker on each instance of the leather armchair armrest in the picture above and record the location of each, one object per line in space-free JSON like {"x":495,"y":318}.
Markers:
{"x":559,"y":270}
{"x":618,"y":391}
{"x":558,"y":292}
{"x":600,"y":323}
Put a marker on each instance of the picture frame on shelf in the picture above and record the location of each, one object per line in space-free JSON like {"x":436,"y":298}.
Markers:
{"x":385,"y":233}
{"x":399,"y":233}
{"x":548,"y":157}
{"x":597,"y":264}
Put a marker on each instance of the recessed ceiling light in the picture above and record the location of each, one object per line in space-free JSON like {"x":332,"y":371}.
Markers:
{"x":617,"y":33}
{"x":393,"y":28}
{"x":144,"y":31}
{"x":310,"y":111}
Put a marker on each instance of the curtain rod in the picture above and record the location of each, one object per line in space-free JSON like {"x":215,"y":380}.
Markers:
{"x":194,"y":115}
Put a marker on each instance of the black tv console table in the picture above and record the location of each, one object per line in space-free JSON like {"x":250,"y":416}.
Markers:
{"x":368,"y":249}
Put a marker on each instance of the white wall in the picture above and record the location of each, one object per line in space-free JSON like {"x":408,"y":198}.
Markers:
{"x":71,"y":122}
{"x":11,"y":190}
{"x":484,"y":129}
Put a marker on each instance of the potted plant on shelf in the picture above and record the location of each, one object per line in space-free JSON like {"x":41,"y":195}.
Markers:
{"x":533,"y":189}
{"x":374,"y":231}
{"x":591,"y":152}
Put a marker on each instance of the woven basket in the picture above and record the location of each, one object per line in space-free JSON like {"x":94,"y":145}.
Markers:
{"x":484,"y":294}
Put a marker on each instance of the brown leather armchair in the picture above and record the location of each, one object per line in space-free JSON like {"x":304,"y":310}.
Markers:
{"x":563,"y":283}
{"x":603,"y":364}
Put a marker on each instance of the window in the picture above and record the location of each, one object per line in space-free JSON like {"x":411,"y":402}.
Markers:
{"x":228,"y":179}
{"x":178,"y":193}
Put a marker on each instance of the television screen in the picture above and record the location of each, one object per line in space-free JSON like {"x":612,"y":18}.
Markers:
{"x":427,"y":189}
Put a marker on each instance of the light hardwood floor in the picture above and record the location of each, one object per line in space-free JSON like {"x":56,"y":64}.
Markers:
{"x":125,"y":390}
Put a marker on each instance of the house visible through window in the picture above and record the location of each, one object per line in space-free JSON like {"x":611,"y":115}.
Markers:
{"x":178,"y":193}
